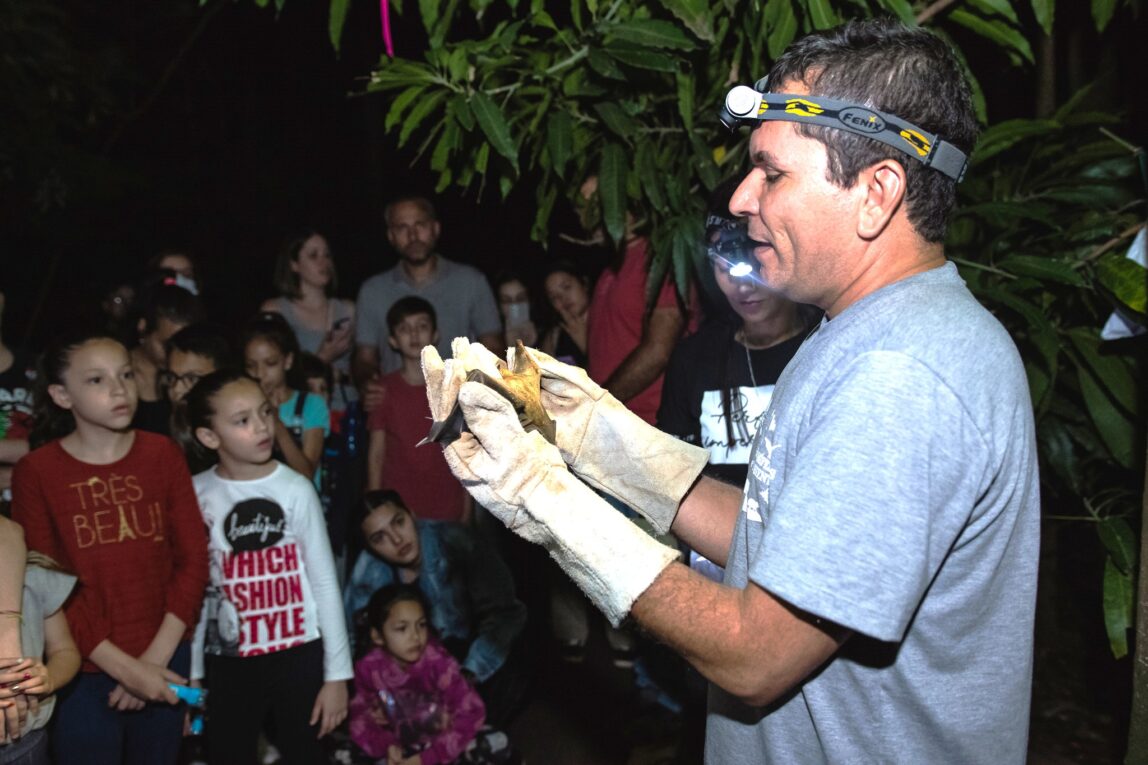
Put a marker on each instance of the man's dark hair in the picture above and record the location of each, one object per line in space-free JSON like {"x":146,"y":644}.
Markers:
{"x":205,"y":340}
{"x":904,"y":71}
{"x":377,"y":498}
{"x":418,"y":200}
{"x":409,"y":306}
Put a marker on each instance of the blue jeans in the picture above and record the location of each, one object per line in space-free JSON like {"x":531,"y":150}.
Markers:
{"x":87,"y":730}
{"x":30,"y":749}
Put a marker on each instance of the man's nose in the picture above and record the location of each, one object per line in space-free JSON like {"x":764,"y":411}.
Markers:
{"x":744,"y":199}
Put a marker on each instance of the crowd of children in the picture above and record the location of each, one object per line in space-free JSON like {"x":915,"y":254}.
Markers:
{"x":145,"y":588}
{"x":148,"y":585}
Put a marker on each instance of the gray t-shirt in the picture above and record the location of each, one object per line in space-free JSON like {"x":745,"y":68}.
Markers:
{"x":463,"y":303}
{"x":44,"y":594}
{"x":893,"y":490}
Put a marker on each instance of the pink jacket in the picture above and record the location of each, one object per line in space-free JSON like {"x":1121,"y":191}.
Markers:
{"x":428,"y":707}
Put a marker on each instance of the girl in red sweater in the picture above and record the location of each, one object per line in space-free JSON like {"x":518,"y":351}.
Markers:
{"x":115,"y":506}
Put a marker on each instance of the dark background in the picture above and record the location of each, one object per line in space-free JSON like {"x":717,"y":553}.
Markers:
{"x":131,"y":126}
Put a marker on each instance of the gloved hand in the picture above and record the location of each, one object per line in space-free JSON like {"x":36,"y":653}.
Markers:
{"x":613,"y":449}
{"x":444,"y":379}
{"x":523,"y":481}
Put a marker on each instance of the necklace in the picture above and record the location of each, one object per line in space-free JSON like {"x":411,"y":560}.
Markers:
{"x":748,"y":360}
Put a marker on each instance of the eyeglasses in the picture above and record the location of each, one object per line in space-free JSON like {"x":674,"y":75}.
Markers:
{"x":189,"y":379}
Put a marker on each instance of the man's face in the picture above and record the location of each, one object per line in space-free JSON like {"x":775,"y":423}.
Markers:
{"x":803,"y":226}
{"x":391,"y":533}
{"x":412,"y":232}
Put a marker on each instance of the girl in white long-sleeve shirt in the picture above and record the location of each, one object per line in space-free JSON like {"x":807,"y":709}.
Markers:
{"x":272,"y":629}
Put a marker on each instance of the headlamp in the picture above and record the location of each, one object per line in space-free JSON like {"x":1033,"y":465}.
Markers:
{"x":729,"y":245}
{"x":748,"y":106}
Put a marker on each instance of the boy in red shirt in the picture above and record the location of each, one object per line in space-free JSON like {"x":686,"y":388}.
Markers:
{"x":420,"y":476}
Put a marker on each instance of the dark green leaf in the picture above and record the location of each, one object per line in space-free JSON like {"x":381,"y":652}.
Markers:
{"x":1058,"y":450}
{"x":493,"y":124}
{"x":1045,"y":269}
{"x":1115,"y":429}
{"x":459,"y":109}
{"x":482,"y":158}
{"x":604,"y":65}
{"x":821,"y":14}
{"x":1125,"y":279}
{"x":440,"y":158}
{"x":616,"y":119}
{"x":1117,"y":608}
{"x":781,"y":26}
{"x":1000,"y":7}
{"x":1102,"y":11}
{"x":546,"y":201}
{"x":645,"y":59}
{"x":651,"y":33}
{"x":1006,"y":134}
{"x":399,"y":105}
{"x":1120,"y":541}
{"x":418,"y":113}
{"x":1112,"y":371}
{"x":559,"y":140}
{"x":650,"y":175}
{"x":695,"y":14}
{"x":686,"y":99}
{"x":902,"y":9}
{"x":612,"y":189}
{"x":995,"y":30}
{"x":457,"y":64}
{"x":336,"y":18}
{"x":1045,"y":11}
{"x":429,"y":13}
{"x":1039,"y":383}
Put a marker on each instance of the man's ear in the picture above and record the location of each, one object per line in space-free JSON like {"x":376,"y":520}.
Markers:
{"x":884,"y":186}
{"x":59,"y":396}
{"x":207,"y":437}
{"x":437,"y":227}
{"x":434,"y":338}
{"x":141,"y":327}
{"x":392,"y":342}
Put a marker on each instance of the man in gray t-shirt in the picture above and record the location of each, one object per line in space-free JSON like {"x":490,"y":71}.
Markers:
{"x":881,"y":560}
{"x":463,"y":302}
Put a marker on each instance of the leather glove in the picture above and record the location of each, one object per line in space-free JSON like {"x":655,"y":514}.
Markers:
{"x":613,"y":449}
{"x":522,"y":480}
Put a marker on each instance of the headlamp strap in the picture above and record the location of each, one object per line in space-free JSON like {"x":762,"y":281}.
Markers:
{"x":744,"y":104}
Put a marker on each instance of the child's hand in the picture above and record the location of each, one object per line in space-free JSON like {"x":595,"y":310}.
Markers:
{"x":394,"y":755}
{"x":122,"y":700}
{"x":330,"y":706}
{"x":148,"y":682}
{"x":29,"y":676}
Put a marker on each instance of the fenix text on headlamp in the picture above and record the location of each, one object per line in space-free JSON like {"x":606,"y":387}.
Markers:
{"x":748,"y":106}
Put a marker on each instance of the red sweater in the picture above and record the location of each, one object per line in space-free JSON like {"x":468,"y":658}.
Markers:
{"x":131,"y":531}
{"x":418,"y":473}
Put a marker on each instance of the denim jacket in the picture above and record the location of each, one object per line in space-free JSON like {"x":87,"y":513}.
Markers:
{"x":470,"y":590}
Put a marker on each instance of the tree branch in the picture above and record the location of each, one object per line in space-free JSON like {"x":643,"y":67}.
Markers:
{"x":165,"y":77}
{"x":924,"y":16}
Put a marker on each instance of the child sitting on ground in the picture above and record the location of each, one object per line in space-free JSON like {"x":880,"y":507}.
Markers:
{"x":412,"y":704}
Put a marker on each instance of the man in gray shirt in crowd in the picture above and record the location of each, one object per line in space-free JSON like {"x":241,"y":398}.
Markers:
{"x":463,"y":302}
{"x":881,"y":560}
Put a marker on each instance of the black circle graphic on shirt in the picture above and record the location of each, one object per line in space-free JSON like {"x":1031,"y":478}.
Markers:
{"x":254,"y":524}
